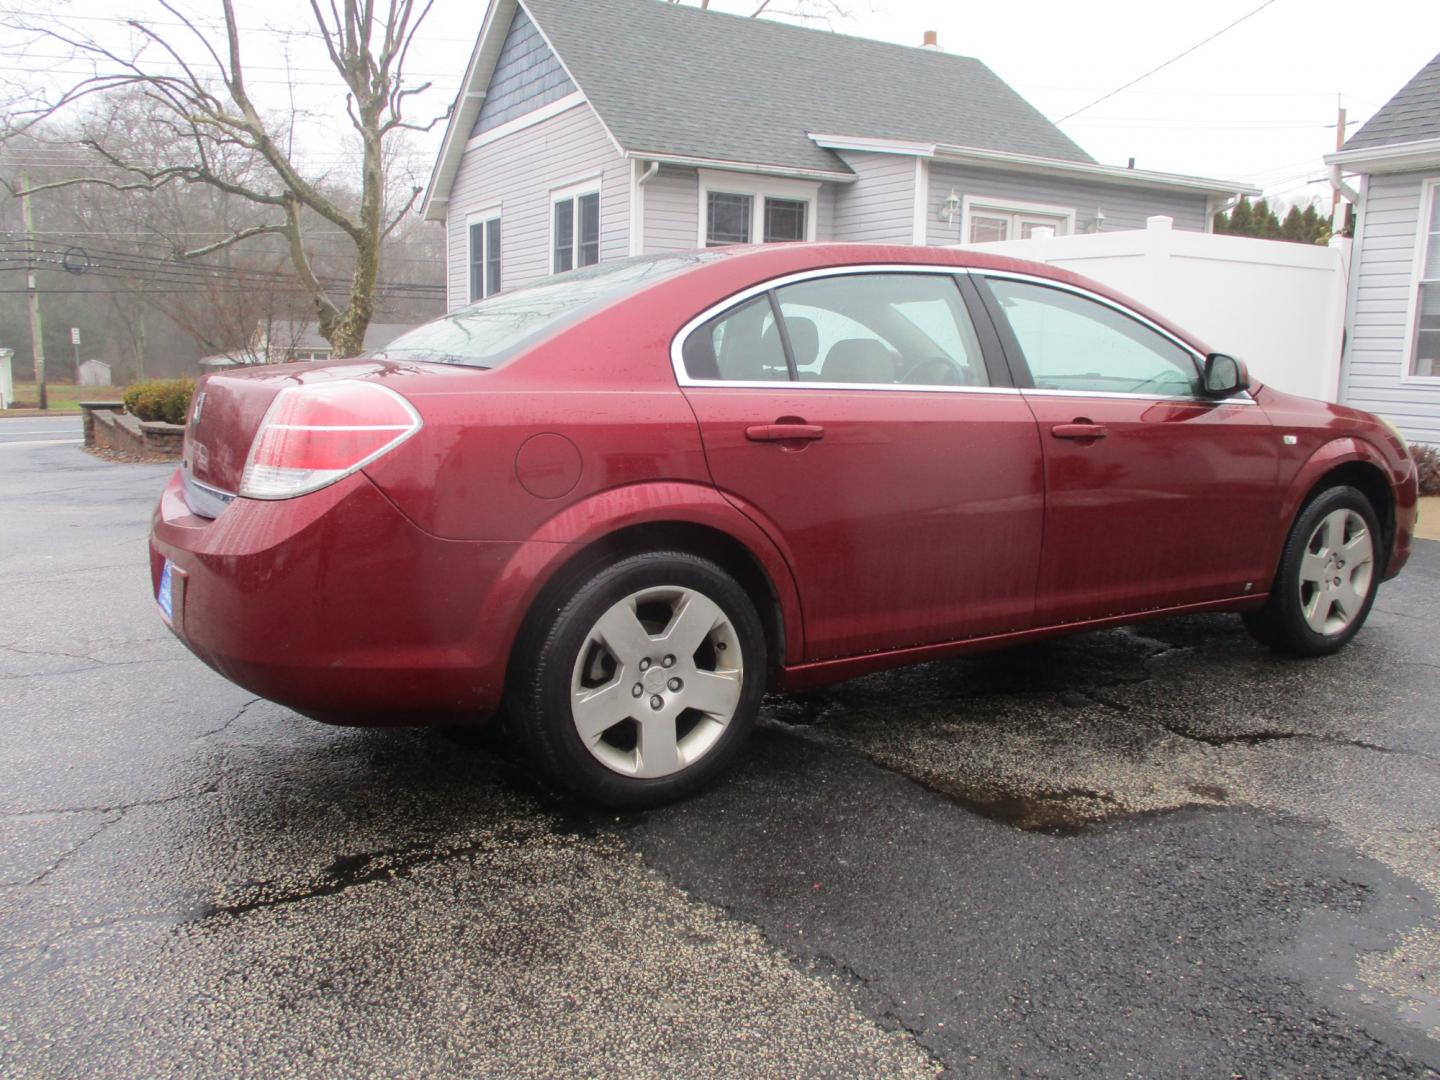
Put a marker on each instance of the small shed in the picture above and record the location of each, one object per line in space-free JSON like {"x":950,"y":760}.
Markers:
{"x":94,"y":373}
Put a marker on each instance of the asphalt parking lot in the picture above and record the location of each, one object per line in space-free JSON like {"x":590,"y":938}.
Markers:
{"x":1149,"y":852}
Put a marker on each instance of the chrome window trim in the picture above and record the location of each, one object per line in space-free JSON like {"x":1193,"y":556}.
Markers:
{"x":677,"y":343}
{"x":1242,"y":398}
{"x":789,"y":384}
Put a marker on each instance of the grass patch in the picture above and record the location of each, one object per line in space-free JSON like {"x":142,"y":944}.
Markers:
{"x":64,"y":397}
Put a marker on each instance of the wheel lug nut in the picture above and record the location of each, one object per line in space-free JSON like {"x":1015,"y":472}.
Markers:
{"x":669,"y":661}
{"x":675,"y":684}
{"x":645,"y":664}
{"x":657,"y":702}
{"x":637,"y":690}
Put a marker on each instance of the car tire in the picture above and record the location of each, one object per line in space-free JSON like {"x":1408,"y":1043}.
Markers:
{"x":641,"y":684}
{"x":1329,"y":572}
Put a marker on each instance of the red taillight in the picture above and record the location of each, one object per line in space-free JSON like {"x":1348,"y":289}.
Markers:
{"x":314,"y":434}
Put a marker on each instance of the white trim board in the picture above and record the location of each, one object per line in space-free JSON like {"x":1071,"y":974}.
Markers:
{"x":1429,"y":192}
{"x":530,"y":119}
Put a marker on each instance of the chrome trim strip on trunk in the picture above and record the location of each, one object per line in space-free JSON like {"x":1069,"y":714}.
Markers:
{"x":203,"y":500}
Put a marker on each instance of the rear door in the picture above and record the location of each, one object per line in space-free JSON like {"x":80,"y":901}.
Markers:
{"x":864,"y":429}
{"x":1155,"y":495}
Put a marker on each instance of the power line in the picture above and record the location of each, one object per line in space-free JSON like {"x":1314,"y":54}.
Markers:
{"x":1167,"y":63}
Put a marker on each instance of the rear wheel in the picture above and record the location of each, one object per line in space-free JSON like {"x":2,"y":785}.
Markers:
{"x":1328,"y":575}
{"x":644,"y":683}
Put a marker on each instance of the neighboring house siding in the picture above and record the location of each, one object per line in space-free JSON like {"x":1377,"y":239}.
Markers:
{"x":1124,"y":208}
{"x":879,"y":207}
{"x":672,"y":210}
{"x":1377,"y":352}
{"x":517,"y":173}
{"x":527,"y":76}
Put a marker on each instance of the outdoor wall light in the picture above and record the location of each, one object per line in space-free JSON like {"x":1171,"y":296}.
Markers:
{"x":950,"y":208}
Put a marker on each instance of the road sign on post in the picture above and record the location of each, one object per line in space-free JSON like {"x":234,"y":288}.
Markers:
{"x":74,"y":335}
{"x":75,"y":340}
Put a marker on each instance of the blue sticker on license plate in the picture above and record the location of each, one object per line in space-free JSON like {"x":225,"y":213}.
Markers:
{"x":163,"y":595}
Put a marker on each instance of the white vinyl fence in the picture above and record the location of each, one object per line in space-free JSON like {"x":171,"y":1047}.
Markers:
{"x":1280,"y":307}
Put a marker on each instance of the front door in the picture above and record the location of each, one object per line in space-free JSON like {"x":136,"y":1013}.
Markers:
{"x":1155,"y":495}
{"x":865,"y":432}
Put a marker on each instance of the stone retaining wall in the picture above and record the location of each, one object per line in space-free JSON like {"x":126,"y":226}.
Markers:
{"x":109,"y":427}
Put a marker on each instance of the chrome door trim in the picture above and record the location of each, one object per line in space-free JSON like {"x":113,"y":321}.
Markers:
{"x":677,"y":343}
{"x":1243,"y":398}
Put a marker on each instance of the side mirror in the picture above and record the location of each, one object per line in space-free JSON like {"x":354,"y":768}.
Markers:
{"x":1225,"y":376}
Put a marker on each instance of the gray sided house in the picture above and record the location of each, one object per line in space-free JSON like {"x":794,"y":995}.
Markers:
{"x":591,"y":131}
{"x":1392,"y":318}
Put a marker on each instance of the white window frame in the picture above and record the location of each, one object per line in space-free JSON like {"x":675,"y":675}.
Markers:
{"x":758,"y":188}
{"x":1429,"y":192}
{"x":590,"y":185}
{"x":988,"y":207}
{"x":481,"y":217}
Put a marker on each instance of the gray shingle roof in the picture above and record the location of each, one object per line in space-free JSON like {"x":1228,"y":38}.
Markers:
{"x":670,"y":79}
{"x":1412,"y":114}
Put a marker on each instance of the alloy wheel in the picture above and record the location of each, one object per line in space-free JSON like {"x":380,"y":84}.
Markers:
{"x":656,"y":681}
{"x":1336,"y":572}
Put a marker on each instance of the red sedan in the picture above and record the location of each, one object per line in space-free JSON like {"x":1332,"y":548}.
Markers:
{"x":624,"y":502}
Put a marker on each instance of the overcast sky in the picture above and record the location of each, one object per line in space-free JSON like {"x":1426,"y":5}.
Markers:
{"x":1256,"y":104}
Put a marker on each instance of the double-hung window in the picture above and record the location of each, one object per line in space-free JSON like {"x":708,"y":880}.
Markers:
{"x":1425,"y":338}
{"x":575,"y":226}
{"x":739,"y":209}
{"x":484,"y":241}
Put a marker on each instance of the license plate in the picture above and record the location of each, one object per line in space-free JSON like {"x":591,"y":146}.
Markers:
{"x":163,"y":595}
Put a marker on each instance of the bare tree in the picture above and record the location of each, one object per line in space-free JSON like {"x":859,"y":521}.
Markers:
{"x":210,"y":131}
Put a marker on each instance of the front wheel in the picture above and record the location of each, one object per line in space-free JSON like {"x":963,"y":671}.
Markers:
{"x":1328,"y":575}
{"x":643,"y":684}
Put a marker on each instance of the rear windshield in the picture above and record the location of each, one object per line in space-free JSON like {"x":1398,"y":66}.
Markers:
{"x":495,"y":330}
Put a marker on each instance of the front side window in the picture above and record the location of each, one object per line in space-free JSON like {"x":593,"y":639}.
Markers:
{"x":1425,"y":348}
{"x":484,"y":258}
{"x":576,"y":229}
{"x":1071,"y":342}
{"x":891,"y":329}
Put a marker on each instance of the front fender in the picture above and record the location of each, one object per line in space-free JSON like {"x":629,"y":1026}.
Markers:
{"x":1399,"y":472}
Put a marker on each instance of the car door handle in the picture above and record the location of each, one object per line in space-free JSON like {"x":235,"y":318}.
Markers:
{"x":787,"y":432}
{"x":1079,"y":431}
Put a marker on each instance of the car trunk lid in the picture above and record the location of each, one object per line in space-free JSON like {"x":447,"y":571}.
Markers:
{"x":227,"y":412}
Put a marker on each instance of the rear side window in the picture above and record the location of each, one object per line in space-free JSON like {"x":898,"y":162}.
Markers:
{"x":739,"y":345}
{"x":1071,"y":342}
{"x":893,"y":329}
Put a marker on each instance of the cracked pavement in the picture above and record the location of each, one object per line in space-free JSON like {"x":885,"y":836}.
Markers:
{"x":1157,"y":851}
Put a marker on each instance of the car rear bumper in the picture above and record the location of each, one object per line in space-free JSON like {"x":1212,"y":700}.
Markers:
{"x":336,"y":605}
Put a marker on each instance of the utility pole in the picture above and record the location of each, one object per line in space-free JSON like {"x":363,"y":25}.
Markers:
{"x":37,"y":329}
{"x":1339,"y":145}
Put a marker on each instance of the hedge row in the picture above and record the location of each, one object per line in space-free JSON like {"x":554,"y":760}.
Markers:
{"x":160,"y":399}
